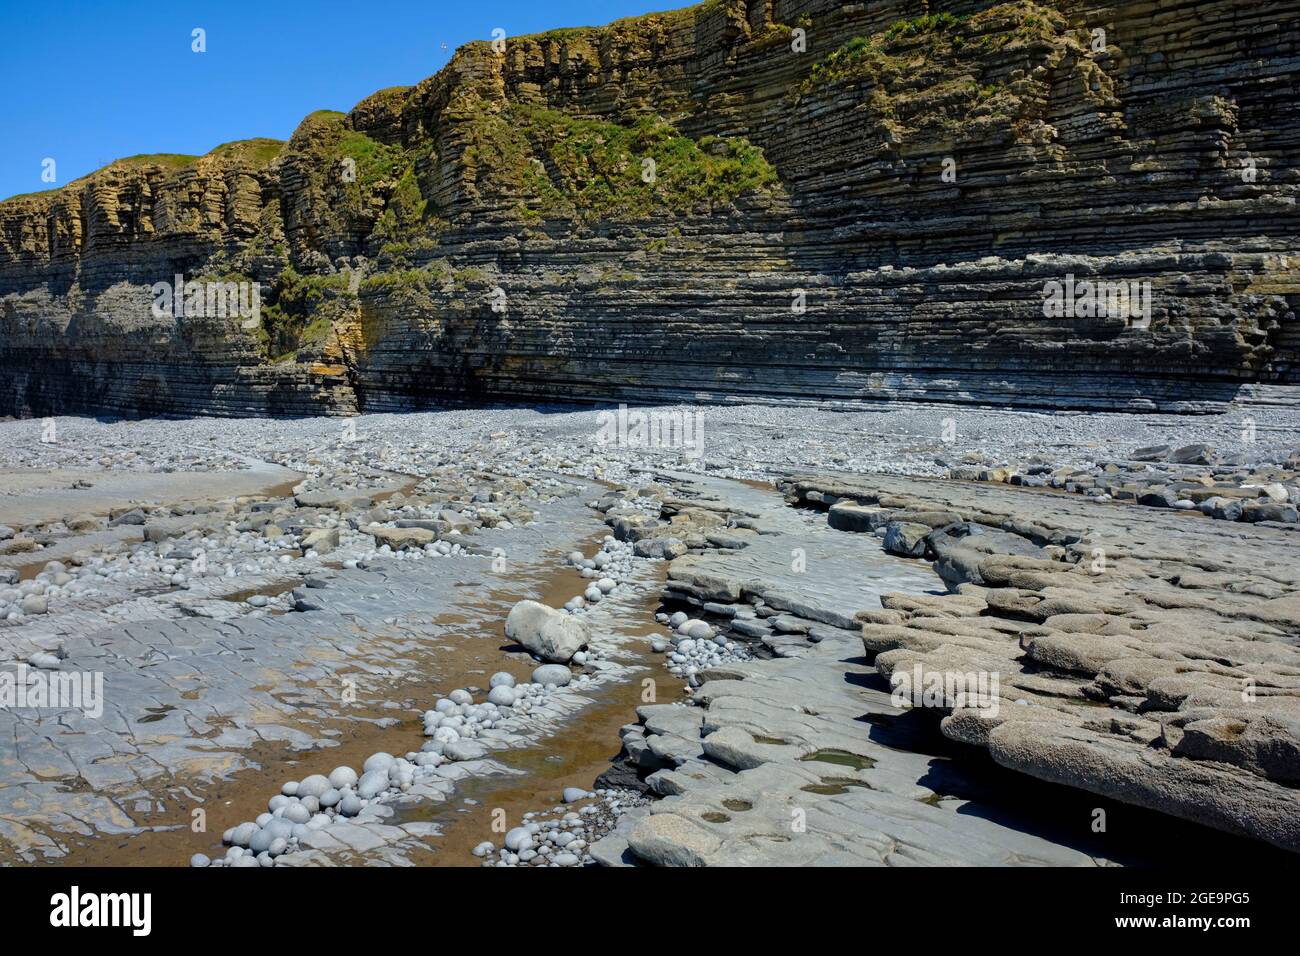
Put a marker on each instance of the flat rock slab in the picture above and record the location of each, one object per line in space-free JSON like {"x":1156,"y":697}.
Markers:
{"x":31,"y":495}
{"x":780,"y":764}
{"x":1144,"y":655}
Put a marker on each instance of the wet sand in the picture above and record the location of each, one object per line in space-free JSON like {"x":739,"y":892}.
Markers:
{"x":586,"y":748}
{"x":479,"y":649}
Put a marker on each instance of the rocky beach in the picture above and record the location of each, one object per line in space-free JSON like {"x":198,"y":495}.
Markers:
{"x":492,"y":637}
{"x":771,"y":433}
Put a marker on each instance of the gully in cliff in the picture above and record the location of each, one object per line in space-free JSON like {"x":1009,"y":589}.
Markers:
{"x":212,"y":300}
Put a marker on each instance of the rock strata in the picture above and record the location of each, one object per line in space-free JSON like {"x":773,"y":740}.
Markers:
{"x":848,"y":202}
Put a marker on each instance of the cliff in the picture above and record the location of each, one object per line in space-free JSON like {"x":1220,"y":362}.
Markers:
{"x":743,"y":200}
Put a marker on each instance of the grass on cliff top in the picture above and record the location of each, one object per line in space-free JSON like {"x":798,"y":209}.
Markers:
{"x":170,"y":160}
{"x":593,"y":32}
{"x":885,"y":56}
{"x":324,"y":136}
{"x":695,"y":9}
{"x":387,"y":93}
{"x":317,"y":116}
{"x":19,"y":197}
{"x":258,"y":151}
{"x":560,"y":166}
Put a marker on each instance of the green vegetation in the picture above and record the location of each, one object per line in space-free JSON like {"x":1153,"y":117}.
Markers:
{"x":401,"y":253}
{"x":561,"y":33}
{"x":319,"y":116}
{"x":870,"y":56}
{"x":470,"y":274}
{"x":434,"y":274}
{"x":298,"y":311}
{"x":170,"y":160}
{"x":53,"y":190}
{"x":258,"y":151}
{"x":405,"y":220}
{"x":661,"y":243}
{"x":218,"y":272}
{"x":355,"y":170}
{"x":316,"y":332}
{"x":851,"y":59}
{"x":927,"y":24}
{"x":300,"y":295}
{"x":322,"y":133}
{"x":390,"y":97}
{"x":561,"y":166}
{"x":375,"y":161}
{"x":938,"y":37}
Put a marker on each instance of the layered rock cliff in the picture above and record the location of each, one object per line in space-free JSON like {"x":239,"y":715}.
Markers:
{"x":743,"y":200}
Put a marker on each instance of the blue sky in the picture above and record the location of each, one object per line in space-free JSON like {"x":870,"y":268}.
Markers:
{"x":91,"y":81}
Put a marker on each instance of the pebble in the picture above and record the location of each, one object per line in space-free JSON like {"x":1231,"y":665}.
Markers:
{"x":313,"y":786}
{"x":556,"y":674}
{"x":560,"y":837}
{"x":350,"y":805}
{"x":372,"y":783}
{"x":341,"y":777}
{"x":379,"y":761}
{"x":519,"y":838}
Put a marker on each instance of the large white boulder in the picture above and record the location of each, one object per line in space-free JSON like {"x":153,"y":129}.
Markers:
{"x":550,"y":634}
